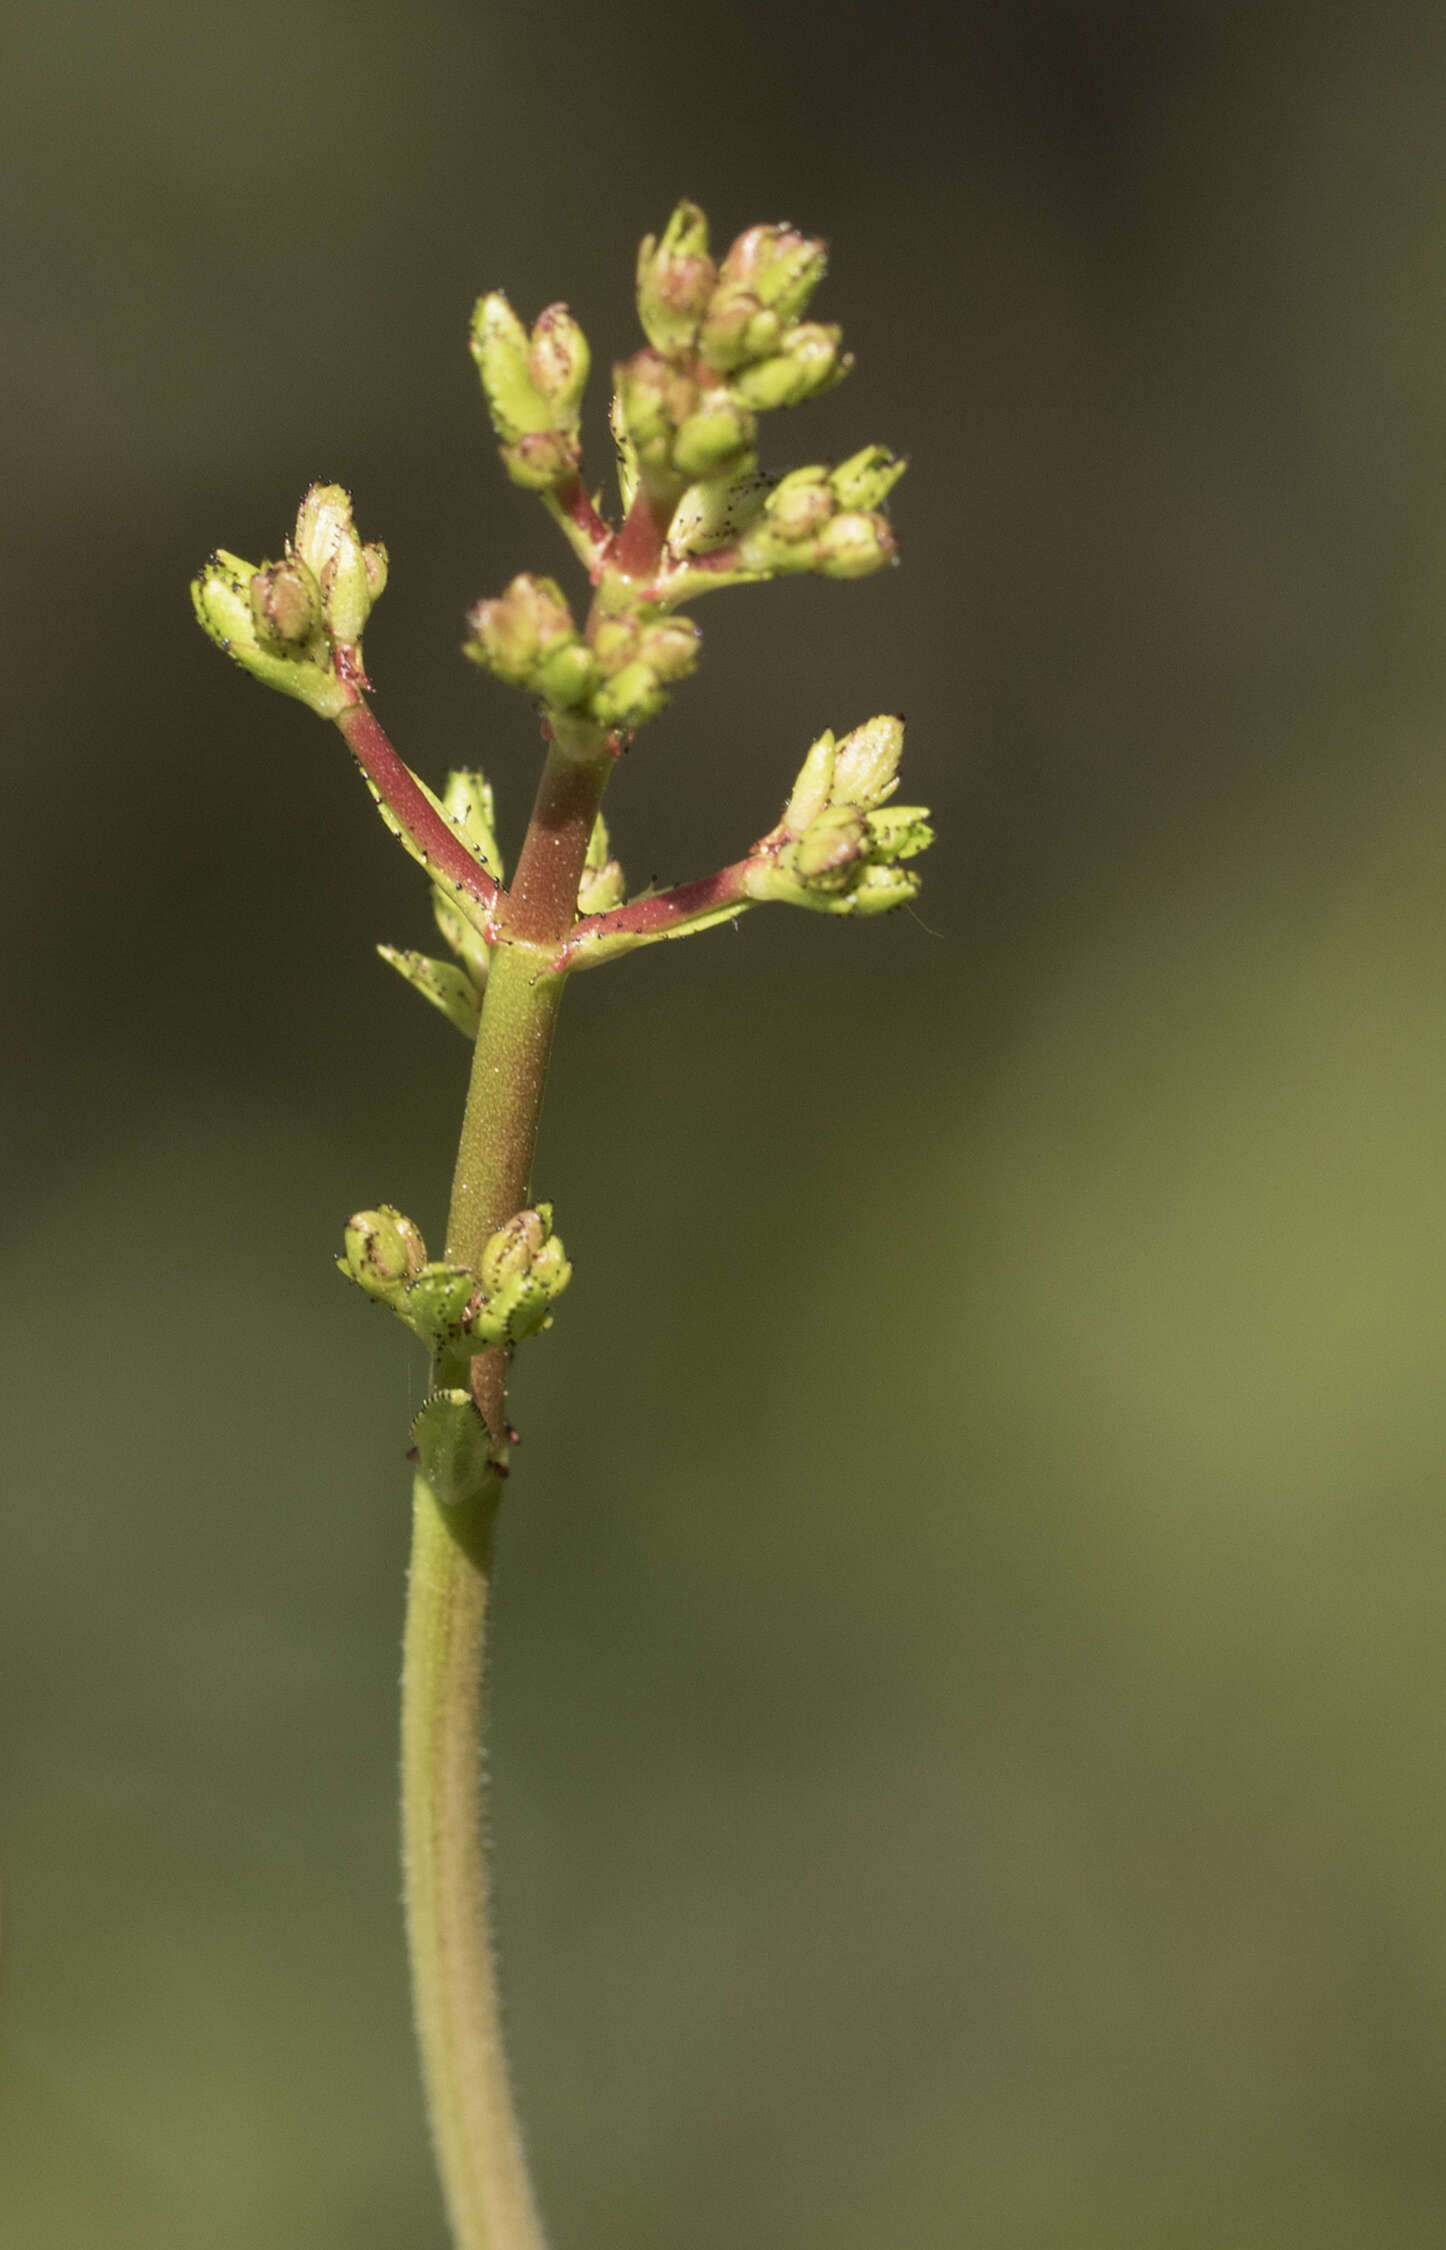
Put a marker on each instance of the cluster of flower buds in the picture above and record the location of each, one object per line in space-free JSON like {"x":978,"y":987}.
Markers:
{"x":825,"y":520}
{"x":618,"y":678}
{"x":840,"y":842}
{"x":725,"y":344}
{"x":534,"y":384}
{"x":739,"y":320}
{"x":522,"y":1269}
{"x":297,"y":624}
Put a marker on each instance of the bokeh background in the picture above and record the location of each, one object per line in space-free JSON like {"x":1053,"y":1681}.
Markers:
{"x":968,"y":1738}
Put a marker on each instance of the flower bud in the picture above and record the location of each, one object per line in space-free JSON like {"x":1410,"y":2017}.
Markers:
{"x":502,"y":349}
{"x":670,"y":647}
{"x":286,"y":603}
{"x":801,"y":505}
{"x":724,"y":337}
{"x":440,"y":1304}
{"x":615,"y":640}
{"x":715,"y":511}
{"x":865,"y":480}
{"x":567,"y":677}
{"x":557,"y":364}
{"x":813,"y":790}
{"x":675,"y":281}
{"x":852,"y":546}
{"x":628,"y":700}
{"x":716,"y":439}
{"x":827,"y":852}
{"x":509,"y":1253}
{"x":512,"y":633}
{"x":523,"y":1267}
{"x":866,"y":763}
{"x":222,"y":597}
{"x":326,"y":540}
{"x":382,"y":1253}
{"x":654,"y":397}
{"x":779,"y":265}
{"x":879,"y":889}
{"x":542,"y":460}
{"x":811,"y":359}
{"x":899,"y":832}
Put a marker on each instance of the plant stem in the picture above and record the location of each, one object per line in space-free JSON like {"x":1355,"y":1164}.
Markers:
{"x":488,"y":2194}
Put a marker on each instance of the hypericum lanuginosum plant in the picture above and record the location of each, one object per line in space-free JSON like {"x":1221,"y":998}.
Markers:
{"x":727,"y":342}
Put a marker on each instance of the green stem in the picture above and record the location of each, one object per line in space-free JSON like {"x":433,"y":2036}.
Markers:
{"x":489,"y":2197}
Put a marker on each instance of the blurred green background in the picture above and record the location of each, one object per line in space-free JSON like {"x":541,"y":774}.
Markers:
{"x":969,"y":1680}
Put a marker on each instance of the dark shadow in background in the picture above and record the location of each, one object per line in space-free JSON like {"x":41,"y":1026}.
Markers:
{"x":968,"y":1744}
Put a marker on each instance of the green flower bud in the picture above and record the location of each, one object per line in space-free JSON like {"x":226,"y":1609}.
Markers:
{"x":779,"y":265}
{"x":801,"y":505}
{"x":221,"y":595}
{"x":286,"y":603}
{"x":670,"y":647}
{"x":456,"y":1455}
{"x":509,"y":1253}
{"x":615,"y":640}
{"x":502,"y":349}
{"x":630,"y":699}
{"x":440,"y":1304}
{"x":714,"y":512}
{"x":865,"y":480}
{"x":852,"y":546}
{"x":602,"y":886}
{"x":811,"y":359}
{"x":880,"y":889}
{"x":542,"y":459}
{"x":382,"y":1253}
{"x":567,"y":677}
{"x":515,"y":631}
{"x":827,"y":852}
{"x":675,"y":281}
{"x":523,"y":1268}
{"x":724,"y":340}
{"x":326,"y":540}
{"x":813,"y":790}
{"x":557,"y":363}
{"x":654,"y":397}
{"x":716,"y":439}
{"x":866,"y":764}
{"x":899,"y":832}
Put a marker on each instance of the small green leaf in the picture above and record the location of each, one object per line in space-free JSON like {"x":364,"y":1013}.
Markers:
{"x":448,"y":988}
{"x":455,"y":1454}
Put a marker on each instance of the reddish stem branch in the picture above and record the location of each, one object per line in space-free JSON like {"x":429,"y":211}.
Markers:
{"x":573,"y":502}
{"x":638,"y":550}
{"x":430,"y":831}
{"x":654,"y":917}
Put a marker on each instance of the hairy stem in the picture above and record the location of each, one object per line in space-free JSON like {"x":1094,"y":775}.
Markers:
{"x":489,"y":2198}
